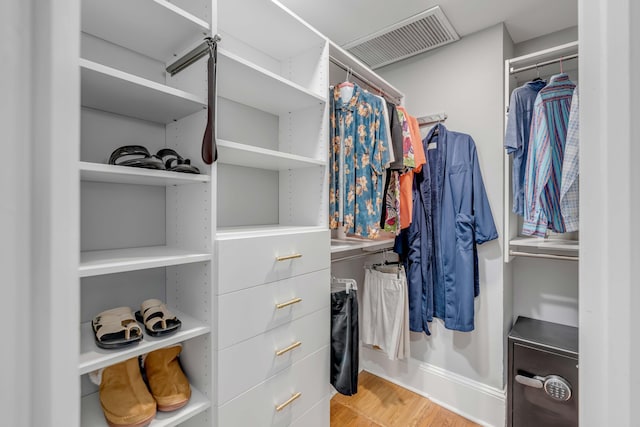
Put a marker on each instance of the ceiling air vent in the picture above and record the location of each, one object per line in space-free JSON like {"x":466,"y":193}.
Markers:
{"x":425,"y":31}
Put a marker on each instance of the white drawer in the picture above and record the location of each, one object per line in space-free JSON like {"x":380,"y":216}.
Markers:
{"x":257,"y":407}
{"x":318,"y":416}
{"x":251,"y":261}
{"x":250,"y":362}
{"x":250,"y":312}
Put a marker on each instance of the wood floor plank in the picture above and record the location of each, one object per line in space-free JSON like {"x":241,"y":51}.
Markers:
{"x":380,"y":403}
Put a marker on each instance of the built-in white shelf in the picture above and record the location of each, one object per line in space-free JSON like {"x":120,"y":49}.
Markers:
{"x":156,"y":28}
{"x":230,"y":233}
{"x":287,"y":37}
{"x":93,"y":357}
{"x":549,"y":245}
{"x":246,"y":83}
{"x":233,"y":153}
{"x":92,"y":415}
{"x":95,"y":263}
{"x":108,"y":89}
{"x":98,"y":172}
{"x":351,"y":244}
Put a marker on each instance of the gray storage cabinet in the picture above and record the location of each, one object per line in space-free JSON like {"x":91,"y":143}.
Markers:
{"x":542,"y":387}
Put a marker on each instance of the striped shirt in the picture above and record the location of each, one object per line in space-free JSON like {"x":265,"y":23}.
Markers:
{"x":546,"y":152}
{"x":569,"y":189}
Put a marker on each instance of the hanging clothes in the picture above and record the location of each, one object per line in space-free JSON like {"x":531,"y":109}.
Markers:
{"x":569,"y":189}
{"x":546,"y":152}
{"x":416,"y":159}
{"x":385,"y":312}
{"x":516,"y":139}
{"x":345,"y":342}
{"x":359,"y":152}
{"x":392,"y":203}
{"x":451,"y":216}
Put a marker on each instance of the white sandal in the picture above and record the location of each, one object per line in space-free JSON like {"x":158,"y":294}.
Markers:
{"x":157,"y":318}
{"x":116,"y":328}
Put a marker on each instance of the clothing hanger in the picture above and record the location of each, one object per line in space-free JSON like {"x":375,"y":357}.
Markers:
{"x":561,"y":71}
{"x":346,"y":81}
{"x":537,"y":79}
{"x":340,"y":285}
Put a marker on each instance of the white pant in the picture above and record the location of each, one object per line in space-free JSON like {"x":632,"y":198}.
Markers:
{"x":385,"y":312}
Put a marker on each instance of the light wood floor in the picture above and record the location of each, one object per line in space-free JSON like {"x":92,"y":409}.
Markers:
{"x":380,"y":403}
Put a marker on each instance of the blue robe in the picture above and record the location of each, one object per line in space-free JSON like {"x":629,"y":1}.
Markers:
{"x":451,"y":216}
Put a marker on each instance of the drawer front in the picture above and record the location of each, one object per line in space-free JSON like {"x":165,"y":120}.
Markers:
{"x":257,"y":407}
{"x":532,"y":406}
{"x":253,"y":311}
{"x":318,"y":416}
{"x":250,"y":362}
{"x":247,"y":262}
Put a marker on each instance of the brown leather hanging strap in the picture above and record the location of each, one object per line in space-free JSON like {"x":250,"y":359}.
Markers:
{"x":209,"y":147}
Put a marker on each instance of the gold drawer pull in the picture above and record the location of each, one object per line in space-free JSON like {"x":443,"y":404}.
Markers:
{"x":288,"y":303}
{"x":288,"y":257}
{"x":288,"y":349}
{"x":288,"y":402}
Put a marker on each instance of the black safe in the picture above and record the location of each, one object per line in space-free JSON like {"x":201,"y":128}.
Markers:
{"x":542,"y":384}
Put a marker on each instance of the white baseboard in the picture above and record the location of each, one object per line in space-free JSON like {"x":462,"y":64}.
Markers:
{"x":471,"y":399}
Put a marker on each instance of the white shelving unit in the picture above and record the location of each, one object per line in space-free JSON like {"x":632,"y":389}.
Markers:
{"x":108,"y":89}
{"x":272,"y":205}
{"x":155,"y":28}
{"x":92,"y":412}
{"x":558,"y":246}
{"x":97,"y":172}
{"x":145,"y":233}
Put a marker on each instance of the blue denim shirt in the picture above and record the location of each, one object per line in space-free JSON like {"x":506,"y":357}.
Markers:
{"x":516,"y":139}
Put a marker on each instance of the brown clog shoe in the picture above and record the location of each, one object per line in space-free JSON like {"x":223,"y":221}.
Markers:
{"x":124,"y":397}
{"x":169,"y":385}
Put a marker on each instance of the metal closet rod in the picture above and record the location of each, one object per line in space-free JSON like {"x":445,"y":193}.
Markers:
{"x":349,"y":69}
{"x":193,"y":55}
{"x":360,"y":255}
{"x":542,"y":64}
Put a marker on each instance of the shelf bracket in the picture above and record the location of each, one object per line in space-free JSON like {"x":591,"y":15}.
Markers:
{"x":193,"y":55}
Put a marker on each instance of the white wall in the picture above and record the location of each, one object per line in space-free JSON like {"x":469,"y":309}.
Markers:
{"x":464,"y":80}
{"x":609,"y":174}
{"x":15,"y":209}
{"x":544,"y":42}
{"x":546,"y":290}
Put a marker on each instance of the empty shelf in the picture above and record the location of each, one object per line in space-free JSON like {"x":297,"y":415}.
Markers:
{"x":233,"y":153}
{"x":289,"y":37}
{"x":92,"y":415}
{"x":241,"y":81}
{"x":155,"y":28}
{"x":108,"y":89}
{"x":93,"y":357}
{"x":95,"y":263}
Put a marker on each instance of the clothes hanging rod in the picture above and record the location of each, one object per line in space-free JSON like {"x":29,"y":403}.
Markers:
{"x":193,"y":55}
{"x":372,"y":85}
{"x":542,"y":64}
{"x":432,"y":119}
{"x":545,"y":256}
{"x":361,"y":255}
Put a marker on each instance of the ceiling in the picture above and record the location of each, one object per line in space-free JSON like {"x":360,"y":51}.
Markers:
{"x":347,"y":20}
